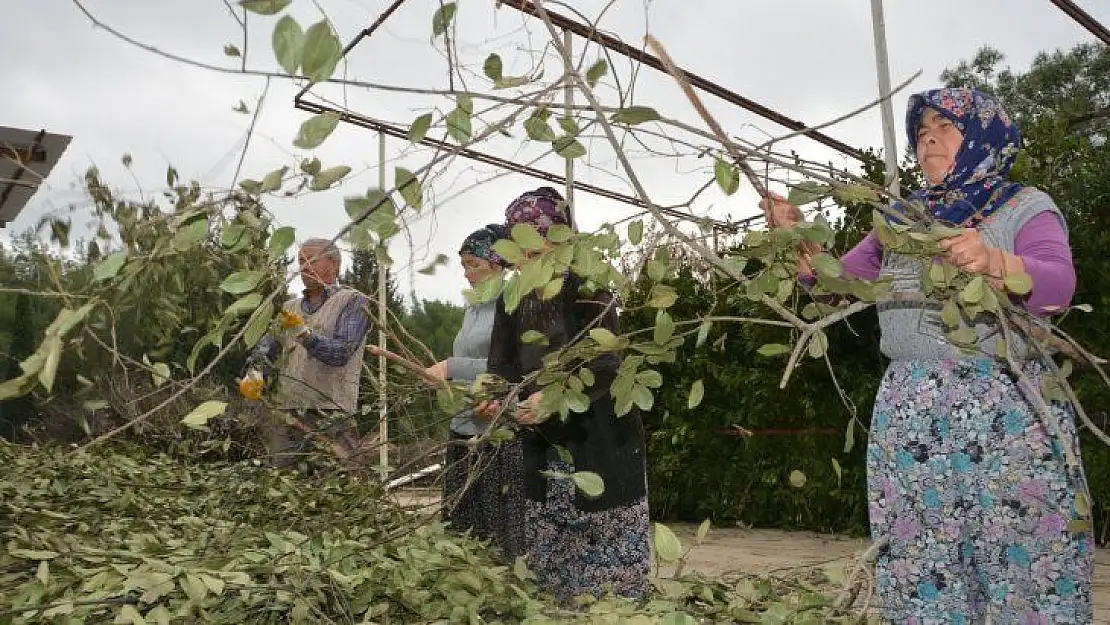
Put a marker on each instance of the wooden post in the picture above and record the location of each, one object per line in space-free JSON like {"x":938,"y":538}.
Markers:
{"x":383,"y":312}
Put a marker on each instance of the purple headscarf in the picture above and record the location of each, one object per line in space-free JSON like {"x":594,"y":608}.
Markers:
{"x":541,"y":208}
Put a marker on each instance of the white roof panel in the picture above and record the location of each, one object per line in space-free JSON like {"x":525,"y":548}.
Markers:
{"x":26,"y":158}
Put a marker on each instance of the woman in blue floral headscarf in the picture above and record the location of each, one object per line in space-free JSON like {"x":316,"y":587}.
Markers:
{"x":983,"y":501}
{"x":482,"y":487}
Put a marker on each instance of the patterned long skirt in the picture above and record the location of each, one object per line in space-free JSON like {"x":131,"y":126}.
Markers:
{"x":575,"y":553}
{"x":976,"y":496}
{"x":483,"y":493}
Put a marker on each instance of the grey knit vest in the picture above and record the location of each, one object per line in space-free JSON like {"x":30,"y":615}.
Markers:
{"x":309,"y":383}
{"x":913,"y":330}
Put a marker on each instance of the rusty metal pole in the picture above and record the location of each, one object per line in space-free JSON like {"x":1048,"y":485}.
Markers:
{"x":1084,"y":19}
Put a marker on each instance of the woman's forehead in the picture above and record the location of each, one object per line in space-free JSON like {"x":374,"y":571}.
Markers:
{"x":311,"y":253}
{"x":930,"y":114}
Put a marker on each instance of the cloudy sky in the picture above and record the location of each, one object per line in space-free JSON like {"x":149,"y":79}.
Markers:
{"x":812,"y":60}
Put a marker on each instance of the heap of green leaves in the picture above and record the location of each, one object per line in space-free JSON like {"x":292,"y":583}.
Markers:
{"x":118,"y":535}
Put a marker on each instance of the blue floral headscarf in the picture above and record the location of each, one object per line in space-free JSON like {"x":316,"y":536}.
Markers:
{"x":977,"y":185}
{"x":480,"y":243}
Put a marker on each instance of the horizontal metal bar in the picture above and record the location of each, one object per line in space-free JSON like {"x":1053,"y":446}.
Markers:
{"x":622,"y":48}
{"x":489,"y":159}
{"x":1084,"y":19}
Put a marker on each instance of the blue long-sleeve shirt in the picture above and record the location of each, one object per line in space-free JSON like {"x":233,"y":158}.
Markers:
{"x":351,"y":327}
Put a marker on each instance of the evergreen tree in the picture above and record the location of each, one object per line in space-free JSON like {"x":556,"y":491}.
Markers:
{"x":363,"y":275}
{"x":15,"y":412}
{"x":435,"y":324}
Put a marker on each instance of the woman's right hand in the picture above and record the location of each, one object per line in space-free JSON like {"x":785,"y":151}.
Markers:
{"x":487,"y":409}
{"x":782,"y":215}
{"x":779,"y":212}
{"x":437,"y":373}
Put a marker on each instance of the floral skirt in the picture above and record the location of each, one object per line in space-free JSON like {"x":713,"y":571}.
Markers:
{"x":977,"y":499}
{"x":483,"y":493}
{"x":575,"y":553}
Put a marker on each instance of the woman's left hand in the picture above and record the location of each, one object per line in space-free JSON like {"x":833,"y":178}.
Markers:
{"x":968,"y":252}
{"x":527,"y":412}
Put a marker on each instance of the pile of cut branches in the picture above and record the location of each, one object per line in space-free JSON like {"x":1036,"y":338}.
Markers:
{"x":120,"y":536}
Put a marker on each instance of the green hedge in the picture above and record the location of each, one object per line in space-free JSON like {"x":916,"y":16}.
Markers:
{"x":696,"y":471}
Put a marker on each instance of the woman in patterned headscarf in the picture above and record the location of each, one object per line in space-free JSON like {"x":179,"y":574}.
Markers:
{"x":482,"y":490}
{"x":576,"y":546}
{"x":983,"y":500}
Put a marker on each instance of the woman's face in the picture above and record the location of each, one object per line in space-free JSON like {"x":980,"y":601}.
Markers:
{"x":478,"y":270}
{"x":938,"y":143}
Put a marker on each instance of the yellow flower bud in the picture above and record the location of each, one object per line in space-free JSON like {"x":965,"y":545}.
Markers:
{"x":251,"y":386}
{"x":290,"y":320}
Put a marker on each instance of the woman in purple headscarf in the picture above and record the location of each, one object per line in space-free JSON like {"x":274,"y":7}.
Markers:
{"x":482,"y":490}
{"x":975,"y":491}
{"x":576,"y":546}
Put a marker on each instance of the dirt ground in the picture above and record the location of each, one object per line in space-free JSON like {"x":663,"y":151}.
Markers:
{"x":772,"y":551}
{"x":756,"y":551}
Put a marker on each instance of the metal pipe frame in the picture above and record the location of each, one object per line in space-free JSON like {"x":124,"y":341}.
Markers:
{"x":610,"y":43}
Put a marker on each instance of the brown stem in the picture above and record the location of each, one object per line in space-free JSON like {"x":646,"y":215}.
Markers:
{"x":407,"y":364}
{"x":811,"y":329}
{"x":641,"y":192}
{"x":868,"y":558}
{"x":1034,"y":395}
{"x":679,"y":77}
{"x":250,"y":132}
{"x":1072,"y":397}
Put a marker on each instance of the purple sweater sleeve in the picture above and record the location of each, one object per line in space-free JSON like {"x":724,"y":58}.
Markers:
{"x":1043,"y":247}
{"x":862,"y":261}
{"x":1041,"y":243}
{"x":865,"y":259}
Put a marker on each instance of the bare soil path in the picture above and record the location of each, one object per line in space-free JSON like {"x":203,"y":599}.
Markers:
{"x":764,"y":552}
{"x":758,"y":551}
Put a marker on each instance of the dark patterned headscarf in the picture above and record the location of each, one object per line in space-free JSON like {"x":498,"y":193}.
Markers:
{"x":977,"y":185}
{"x":480,"y":243}
{"x":541,"y":208}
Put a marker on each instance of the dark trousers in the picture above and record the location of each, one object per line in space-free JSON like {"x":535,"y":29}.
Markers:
{"x":287,"y":444}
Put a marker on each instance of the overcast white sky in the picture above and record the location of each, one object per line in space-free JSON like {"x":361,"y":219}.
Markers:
{"x":809,"y":59}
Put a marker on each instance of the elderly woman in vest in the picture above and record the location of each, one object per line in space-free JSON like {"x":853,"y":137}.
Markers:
{"x":323,"y":344}
{"x":482,"y":491}
{"x":576,"y":546}
{"x":972,"y":487}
